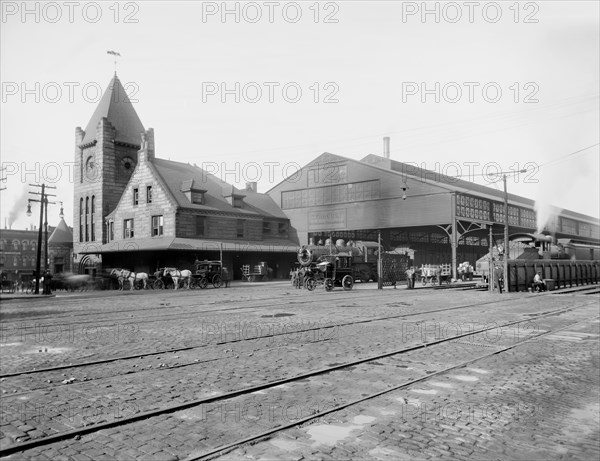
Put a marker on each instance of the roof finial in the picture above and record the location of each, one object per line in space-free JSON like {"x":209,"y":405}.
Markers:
{"x":115,"y":54}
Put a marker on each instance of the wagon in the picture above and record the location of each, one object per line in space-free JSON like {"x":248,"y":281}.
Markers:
{"x":430,"y":272}
{"x":259,"y":272}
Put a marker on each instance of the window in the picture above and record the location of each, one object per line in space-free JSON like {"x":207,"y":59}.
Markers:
{"x":157,"y":226}
{"x":282,"y":228}
{"x":128,"y":228}
{"x":136,"y":196}
{"x":81,"y":219}
{"x":92,"y":218}
{"x":238,"y":202}
{"x":266,"y":227}
{"x":87,"y":214}
{"x":240,"y":227}
{"x":149,"y":194}
{"x":111,"y":230}
{"x":200,"y":226}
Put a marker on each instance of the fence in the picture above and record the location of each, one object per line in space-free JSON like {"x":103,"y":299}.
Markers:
{"x":565,"y":273}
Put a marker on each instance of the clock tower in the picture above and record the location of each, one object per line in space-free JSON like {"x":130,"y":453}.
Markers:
{"x":105,"y":157}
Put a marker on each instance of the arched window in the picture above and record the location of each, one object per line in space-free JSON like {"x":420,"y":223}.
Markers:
{"x":33,"y":245}
{"x":87,"y":214}
{"x":81,"y":219}
{"x":2,"y":245}
{"x":24,"y":244}
{"x":15,"y":245}
{"x":92,"y":218}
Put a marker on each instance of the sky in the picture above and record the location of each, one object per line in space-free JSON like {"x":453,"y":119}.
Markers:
{"x":251,"y":91}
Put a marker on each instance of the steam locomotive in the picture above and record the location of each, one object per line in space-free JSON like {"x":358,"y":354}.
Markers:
{"x":547,"y":247}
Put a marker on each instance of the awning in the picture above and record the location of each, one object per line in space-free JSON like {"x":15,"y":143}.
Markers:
{"x":183,"y":244}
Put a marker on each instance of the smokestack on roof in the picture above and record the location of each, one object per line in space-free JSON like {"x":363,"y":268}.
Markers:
{"x":386,"y":147}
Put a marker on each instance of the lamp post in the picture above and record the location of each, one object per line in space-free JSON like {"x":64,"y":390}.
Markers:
{"x":43,"y":201}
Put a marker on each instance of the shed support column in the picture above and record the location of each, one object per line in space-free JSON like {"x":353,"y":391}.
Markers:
{"x":454,"y":236}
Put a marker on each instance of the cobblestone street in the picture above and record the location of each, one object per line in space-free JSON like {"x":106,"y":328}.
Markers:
{"x":264,"y":371}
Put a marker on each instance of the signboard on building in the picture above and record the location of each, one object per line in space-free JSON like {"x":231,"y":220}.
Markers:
{"x":332,"y":219}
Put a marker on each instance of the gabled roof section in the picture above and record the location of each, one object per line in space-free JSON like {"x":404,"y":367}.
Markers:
{"x":117,"y":108}
{"x":177,"y":176}
{"x":63,"y":234}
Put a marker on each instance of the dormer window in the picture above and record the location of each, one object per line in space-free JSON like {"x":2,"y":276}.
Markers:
{"x":236,"y":200}
{"x":193,"y":193}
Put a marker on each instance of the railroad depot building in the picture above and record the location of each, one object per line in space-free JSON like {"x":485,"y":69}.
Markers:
{"x":137,"y":211}
{"x":442,"y":219}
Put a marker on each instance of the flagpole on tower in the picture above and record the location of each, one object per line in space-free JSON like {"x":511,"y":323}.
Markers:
{"x":116,"y":55}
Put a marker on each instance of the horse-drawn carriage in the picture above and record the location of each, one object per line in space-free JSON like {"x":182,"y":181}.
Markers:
{"x":207,"y":272}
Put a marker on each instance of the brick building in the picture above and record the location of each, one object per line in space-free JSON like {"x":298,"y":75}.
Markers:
{"x":137,"y":211}
{"x":18,"y":251}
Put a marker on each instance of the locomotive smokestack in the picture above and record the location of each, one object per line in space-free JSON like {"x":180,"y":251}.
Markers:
{"x":386,"y":147}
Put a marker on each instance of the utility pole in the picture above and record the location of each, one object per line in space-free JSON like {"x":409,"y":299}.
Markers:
{"x":506,"y":245}
{"x":43,"y":201}
{"x":379,"y":266}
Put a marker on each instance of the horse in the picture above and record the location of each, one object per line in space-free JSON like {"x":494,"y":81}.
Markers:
{"x":176,"y":274}
{"x":123,"y":274}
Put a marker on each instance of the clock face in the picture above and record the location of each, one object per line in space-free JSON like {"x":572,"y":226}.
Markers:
{"x":128,"y":164}
{"x":91,"y":169}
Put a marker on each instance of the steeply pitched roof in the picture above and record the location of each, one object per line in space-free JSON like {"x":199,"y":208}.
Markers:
{"x":177,"y":174}
{"x":63,"y":234}
{"x":117,"y":108}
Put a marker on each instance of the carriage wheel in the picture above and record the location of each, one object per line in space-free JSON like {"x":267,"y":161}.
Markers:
{"x":158,"y":285}
{"x":424,"y":280}
{"x":347,"y":282}
{"x":193,"y":283}
{"x":328,"y":284}
{"x":217,"y":281}
{"x":202,"y":283}
{"x":311,"y":284}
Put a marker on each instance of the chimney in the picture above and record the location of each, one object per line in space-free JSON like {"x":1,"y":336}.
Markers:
{"x":386,"y":147}
{"x":251,"y":186}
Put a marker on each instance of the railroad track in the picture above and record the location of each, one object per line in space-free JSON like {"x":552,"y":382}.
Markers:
{"x":299,"y":378}
{"x":233,"y":341}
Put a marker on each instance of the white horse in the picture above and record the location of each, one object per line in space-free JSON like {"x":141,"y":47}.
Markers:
{"x":143,"y":276}
{"x":123,"y":274}
{"x":176,"y":274}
